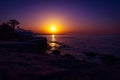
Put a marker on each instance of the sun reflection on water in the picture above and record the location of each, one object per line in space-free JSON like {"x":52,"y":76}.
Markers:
{"x":53,"y":38}
{"x":54,"y":45}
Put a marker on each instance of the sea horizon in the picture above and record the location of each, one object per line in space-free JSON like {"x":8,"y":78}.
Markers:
{"x":77,"y":44}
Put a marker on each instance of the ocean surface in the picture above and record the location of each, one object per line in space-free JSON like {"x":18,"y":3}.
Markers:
{"x":78,"y":44}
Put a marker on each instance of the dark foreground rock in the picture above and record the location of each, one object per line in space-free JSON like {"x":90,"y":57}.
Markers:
{"x":36,"y":45}
{"x":32,"y":66}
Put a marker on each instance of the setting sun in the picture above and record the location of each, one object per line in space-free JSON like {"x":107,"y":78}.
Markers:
{"x":53,"y":28}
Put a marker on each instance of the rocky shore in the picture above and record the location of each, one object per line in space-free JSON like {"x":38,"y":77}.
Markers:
{"x":28,"y":60}
{"x":37,"y":66}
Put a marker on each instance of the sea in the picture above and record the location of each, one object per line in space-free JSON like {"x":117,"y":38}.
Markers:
{"x":79,"y":44}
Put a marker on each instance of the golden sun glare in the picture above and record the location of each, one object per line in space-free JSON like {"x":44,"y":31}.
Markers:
{"x":53,"y":29}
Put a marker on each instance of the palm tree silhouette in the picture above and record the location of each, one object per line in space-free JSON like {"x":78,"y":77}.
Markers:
{"x":13,"y":23}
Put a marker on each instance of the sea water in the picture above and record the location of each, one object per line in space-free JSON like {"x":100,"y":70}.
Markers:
{"x":78,"y":44}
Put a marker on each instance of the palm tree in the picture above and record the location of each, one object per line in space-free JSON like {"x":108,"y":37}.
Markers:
{"x":13,"y":23}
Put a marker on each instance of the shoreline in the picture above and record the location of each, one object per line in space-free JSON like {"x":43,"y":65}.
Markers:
{"x":27,"y":66}
{"x":38,"y":65}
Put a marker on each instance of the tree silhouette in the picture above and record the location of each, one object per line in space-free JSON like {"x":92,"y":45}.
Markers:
{"x":13,"y":23}
{"x":6,"y":30}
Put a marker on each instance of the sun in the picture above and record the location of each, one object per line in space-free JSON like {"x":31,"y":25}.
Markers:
{"x":53,"y":29}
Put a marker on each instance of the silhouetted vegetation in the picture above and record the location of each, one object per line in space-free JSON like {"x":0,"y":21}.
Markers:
{"x":6,"y":32}
{"x":10,"y":31}
{"x":13,"y":23}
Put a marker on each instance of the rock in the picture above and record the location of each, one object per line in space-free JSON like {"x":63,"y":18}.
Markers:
{"x":40,"y":43}
{"x":34,"y":45}
{"x":108,"y":59}
{"x":68,"y":56}
{"x":91,"y":54}
{"x":56,"y":52}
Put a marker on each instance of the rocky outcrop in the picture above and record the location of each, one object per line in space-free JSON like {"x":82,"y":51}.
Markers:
{"x":38,"y":45}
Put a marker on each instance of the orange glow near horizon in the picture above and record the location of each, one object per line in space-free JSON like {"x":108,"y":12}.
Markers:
{"x":53,"y":24}
{"x":52,"y":29}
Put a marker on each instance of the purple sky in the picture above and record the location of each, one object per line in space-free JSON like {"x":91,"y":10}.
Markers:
{"x":97,"y":16}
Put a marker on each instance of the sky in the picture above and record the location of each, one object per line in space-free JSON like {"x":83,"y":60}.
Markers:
{"x":69,"y":16}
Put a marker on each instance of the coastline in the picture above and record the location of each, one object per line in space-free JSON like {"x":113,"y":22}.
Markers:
{"x":17,"y":63}
{"x":34,"y":66}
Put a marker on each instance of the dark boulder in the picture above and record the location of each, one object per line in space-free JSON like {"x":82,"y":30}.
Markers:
{"x":56,"y":52}
{"x":108,"y":59}
{"x":91,"y":54}
{"x":68,"y":56}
